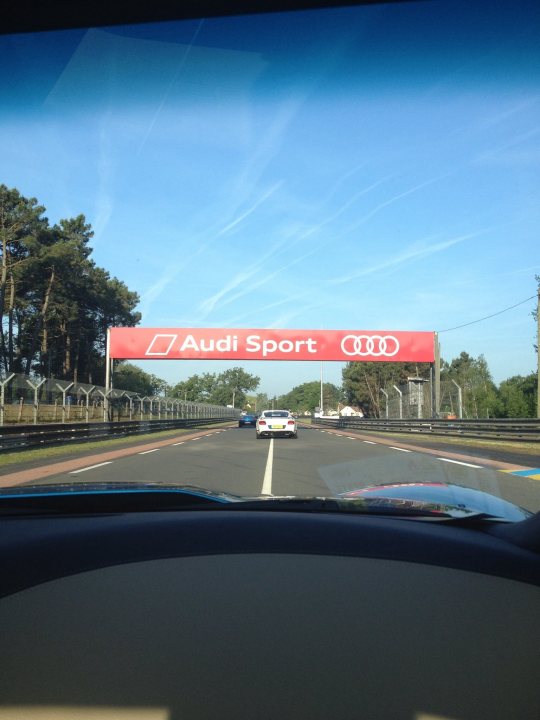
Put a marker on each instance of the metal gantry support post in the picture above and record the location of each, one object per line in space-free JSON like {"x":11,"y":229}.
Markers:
{"x":400,"y":401}
{"x":437,"y":378}
{"x":386,"y":403}
{"x":3,"y":384}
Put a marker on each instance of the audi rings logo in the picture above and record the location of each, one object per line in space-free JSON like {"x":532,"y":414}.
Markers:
{"x":370,"y":345}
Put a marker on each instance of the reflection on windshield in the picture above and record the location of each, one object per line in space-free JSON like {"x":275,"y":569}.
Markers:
{"x":370,"y":167}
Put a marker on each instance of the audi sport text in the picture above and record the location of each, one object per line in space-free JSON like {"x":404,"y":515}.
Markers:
{"x":266,"y":347}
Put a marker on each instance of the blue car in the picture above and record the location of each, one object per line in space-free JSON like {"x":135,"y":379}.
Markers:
{"x":247,"y":421}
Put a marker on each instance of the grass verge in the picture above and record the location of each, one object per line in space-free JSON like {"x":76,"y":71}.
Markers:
{"x":81,"y":447}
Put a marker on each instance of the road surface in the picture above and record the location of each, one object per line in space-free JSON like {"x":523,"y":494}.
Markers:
{"x":319,"y":462}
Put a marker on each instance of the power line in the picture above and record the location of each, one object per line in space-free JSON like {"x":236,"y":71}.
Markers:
{"x":533,"y":297}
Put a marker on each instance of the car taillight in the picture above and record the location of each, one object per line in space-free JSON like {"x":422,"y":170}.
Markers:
{"x":262,"y":422}
{"x":291,"y":422}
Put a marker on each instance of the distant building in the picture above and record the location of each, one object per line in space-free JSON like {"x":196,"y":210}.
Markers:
{"x":349,"y":411}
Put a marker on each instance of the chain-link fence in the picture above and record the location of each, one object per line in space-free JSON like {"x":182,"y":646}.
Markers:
{"x":451,"y":404}
{"x":29,"y":399}
{"x":414,"y":399}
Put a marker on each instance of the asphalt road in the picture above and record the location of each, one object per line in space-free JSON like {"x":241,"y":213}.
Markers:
{"x":317,"y":463}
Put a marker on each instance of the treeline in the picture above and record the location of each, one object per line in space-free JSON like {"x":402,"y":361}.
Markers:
{"x":307,"y":397}
{"x":226,"y":388}
{"x":55,"y":302}
{"x":481,"y":397}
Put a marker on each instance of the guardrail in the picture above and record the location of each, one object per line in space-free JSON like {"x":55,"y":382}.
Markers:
{"x":25,"y":437}
{"x":496,"y":429}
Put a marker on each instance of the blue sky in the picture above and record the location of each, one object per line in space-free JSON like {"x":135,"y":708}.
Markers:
{"x":361,"y":168}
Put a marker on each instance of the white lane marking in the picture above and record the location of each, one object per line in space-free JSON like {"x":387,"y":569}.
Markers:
{"x":180,"y":443}
{"x":90,"y":467}
{"x":148,"y":451}
{"x":350,"y":437}
{"x":193,"y":439}
{"x":369,"y":442}
{"x":400,"y":449}
{"x":457,"y":462}
{"x":267,"y":482}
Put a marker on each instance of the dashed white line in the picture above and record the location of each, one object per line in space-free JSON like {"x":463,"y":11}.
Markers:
{"x":458,"y":462}
{"x":369,"y":442}
{"x":267,"y":481}
{"x":90,"y":467}
{"x":180,"y":443}
{"x":148,"y":451}
{"x":400,"y":449}
{"x":350,"y":437}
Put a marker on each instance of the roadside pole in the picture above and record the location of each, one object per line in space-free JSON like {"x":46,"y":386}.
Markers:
{"x":538,"y":354}
{"x":322,"y":391}
{"x":107,"y":377}
{"x":437,"y":373}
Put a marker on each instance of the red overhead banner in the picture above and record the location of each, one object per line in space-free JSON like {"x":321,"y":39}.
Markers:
{"x":242,"y":344}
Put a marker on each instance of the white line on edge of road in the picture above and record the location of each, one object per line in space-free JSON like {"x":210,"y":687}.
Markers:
{"x":90,"y":467}
{"x":400,"y":449}
{"x":180,"y":443}
{"x":267,"y":482}
{"x":148,"y":451}
{"x":370,"y":442}
{"x":458,"y":462}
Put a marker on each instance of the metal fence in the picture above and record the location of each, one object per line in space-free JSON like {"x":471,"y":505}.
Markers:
{"x":526,"y":430}
{"x":414,"y":400}
{"x":29,"y":399}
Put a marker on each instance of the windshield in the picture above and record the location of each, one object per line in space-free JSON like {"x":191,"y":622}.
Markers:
{"x":334,"y":212}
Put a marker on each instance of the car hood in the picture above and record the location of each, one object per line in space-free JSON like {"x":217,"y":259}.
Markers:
{"x":433,"y":500}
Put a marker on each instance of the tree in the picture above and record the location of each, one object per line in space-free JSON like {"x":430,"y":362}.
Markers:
{"x":130,"y":377}
{"x":480,"y":398}
{"x":21,"y":226}
{"x":231,"y":387}
{"x":56,"y":304}
{"x":307,"y":397}
{"x":363,"y":381}
{"x":517,"y":397}
{"x":196,"y":388}
{"x":221,"y":389}
{"x":261,"y":401}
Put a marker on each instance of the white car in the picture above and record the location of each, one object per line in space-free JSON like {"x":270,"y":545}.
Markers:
{"x":275,"y":423}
